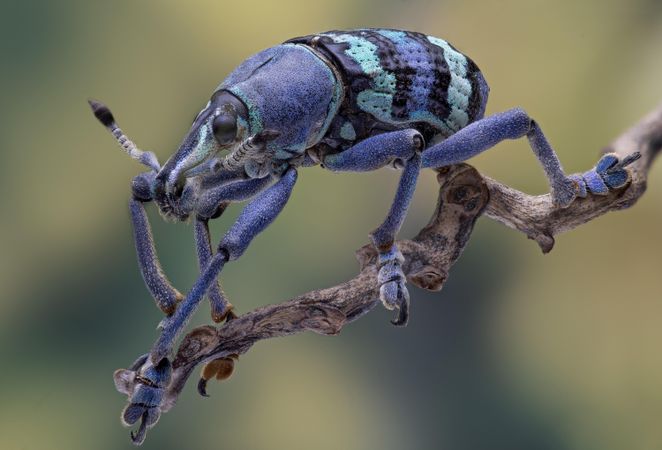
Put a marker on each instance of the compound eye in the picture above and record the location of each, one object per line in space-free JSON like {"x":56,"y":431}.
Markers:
{"x":224,"y":127}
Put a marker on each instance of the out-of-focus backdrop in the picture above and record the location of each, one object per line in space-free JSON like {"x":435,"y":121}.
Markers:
{"x":519,"y":351}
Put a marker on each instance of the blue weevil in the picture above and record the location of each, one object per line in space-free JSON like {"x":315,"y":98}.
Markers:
{"x":347,"y":100}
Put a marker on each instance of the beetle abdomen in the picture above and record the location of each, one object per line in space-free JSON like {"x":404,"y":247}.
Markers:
{"x":403,"y":77}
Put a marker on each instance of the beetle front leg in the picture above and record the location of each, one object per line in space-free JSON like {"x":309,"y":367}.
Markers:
{"x":400,"y":149}
{"x":255,"y":217}
{"x":165,"y":295}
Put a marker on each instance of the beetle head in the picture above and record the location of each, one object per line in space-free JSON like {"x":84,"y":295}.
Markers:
{"x":220,"y":126}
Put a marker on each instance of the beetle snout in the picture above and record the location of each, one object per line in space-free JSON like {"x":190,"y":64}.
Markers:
{"x":170,"y":180}
{"x":159,"y":189}
{"x":176,"y":200}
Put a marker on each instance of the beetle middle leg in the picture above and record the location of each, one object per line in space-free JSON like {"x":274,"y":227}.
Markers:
{"x":210,"y":206}
{"x":400,"y":149}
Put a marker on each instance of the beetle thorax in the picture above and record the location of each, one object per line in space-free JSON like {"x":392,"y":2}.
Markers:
{"x":288,"y":89}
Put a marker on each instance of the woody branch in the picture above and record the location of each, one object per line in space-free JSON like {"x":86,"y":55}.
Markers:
{"x":464,"y":195}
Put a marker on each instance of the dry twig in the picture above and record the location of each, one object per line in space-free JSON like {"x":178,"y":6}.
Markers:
{"x":463,"y":196}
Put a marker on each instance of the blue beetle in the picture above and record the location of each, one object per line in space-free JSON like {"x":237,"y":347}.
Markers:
{"x":352,"y":100}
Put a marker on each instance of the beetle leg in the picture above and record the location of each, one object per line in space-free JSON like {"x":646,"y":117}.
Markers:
{"x":145,"y":387}
{"x":393,"y":291}
{"x":255,"y":217}
{"x":608,"y":173}
{"x":165,"y":295}
{"x":220,"y":307}
{"x":399,"y":149}
{"x":214,"y":195}
{"x":210,"y":203}
{"x":483,"y":134}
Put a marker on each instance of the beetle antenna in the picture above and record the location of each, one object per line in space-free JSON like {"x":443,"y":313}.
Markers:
{"x":103,"y":114}
{"x":254,"y":147}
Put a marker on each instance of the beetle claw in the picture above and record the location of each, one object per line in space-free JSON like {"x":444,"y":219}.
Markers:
{"x":139,"y":437}
{"x":202,"y":387}
{"x":403,"y":314}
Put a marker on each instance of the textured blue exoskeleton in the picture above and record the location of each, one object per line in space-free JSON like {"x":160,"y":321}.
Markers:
{"x":347,"y":100}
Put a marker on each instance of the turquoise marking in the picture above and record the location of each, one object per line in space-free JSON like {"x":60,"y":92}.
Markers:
{"x":459,"y":89}
{"x":254,"y":119}
{"x":206,"y":144}
{"x":393,"y":35}
{"x":242,"y":124}
{"x":427,"y":116}
{"x":376,"y":103}
{"x":378,"y":100}
{"x":385,"y":82}
{"x":347,"y":131}
{"x":361,"y":50}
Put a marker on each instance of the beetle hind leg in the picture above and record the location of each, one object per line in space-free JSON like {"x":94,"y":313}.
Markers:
{"x":483,"y":134}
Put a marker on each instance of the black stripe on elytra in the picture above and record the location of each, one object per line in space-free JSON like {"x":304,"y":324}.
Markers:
{"x":438,"y":97}
{"x":392,"y":61}
{"x":473,"y":74}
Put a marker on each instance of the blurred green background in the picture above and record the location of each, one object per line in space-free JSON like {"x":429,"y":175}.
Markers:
{"x":519,"y":351}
